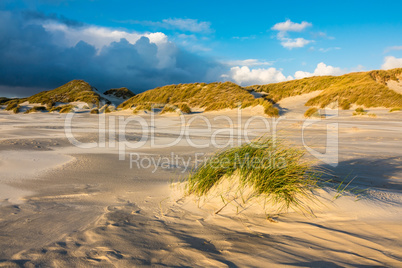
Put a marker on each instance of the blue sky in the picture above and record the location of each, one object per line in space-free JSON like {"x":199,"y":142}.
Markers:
{"x":143,"y":44}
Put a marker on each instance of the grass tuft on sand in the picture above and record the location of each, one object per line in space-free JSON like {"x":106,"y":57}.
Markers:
{"x":359,"y":111}
{"x":66,"y":108}
{"x":395,"y":109}
{"x":272,"y":168}
{"x":94,"y":111}
{"x":3,"y":100}
{"x":311,"y":112}
{"x":11,"y":105}
{"x":36,"y":109}
{"x":184,"y":108}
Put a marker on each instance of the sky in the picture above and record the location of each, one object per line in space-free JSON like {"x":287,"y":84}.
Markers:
{"x":145,"y":44}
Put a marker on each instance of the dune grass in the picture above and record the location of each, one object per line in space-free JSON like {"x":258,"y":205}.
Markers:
{"x":270,"y":167}
{"x":94,"y":111}
{"x":12,"y":105}
{"x":76,"y":90}
{"x":345,"y":105}
{"x":279,"y":91}
{"x":16,"y":109}
{"x":311,"y":112}
{"x":55,"y":109}
{"x":366,"y":89}
{"x":36,"y":109}
{"x":359,"y":111}
{"x":143,"y":107}
{"x":169,"y":109}
{"x":3,"y":100}
{"x":184,"y":108}
{"x":210,"y":97}
{"x":66,"y":108}
{"x":108,"y":110}
{"x":73,"y":91}
{"x":395,"y":109}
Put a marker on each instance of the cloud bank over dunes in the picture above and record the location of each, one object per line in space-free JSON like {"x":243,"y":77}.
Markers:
{"x":39,"y":51}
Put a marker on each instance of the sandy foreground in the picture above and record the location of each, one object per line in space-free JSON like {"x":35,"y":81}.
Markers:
{"x":65,"y":206}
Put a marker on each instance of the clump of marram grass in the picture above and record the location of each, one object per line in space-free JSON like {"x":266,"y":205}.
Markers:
{"x":105,"y":109}
{"x":395,"y":109}
{"x":270,"y":110}
{"x":16,"y":109}
{"x":184,"y":108}
{"x":359,"y":111}
{"x":270,"y":167}
{"x":311,"y":112}
{"x":11,"y":105}
{"x":94,"y":111}
{"x":55,"y":109}
{"x":50,"y":104}
{"x":66,"y":108}
{"x":169,"y":109}
{"x":345,"y":105}
{"x":3,"y":100}
{"x":36,"y":109}
{"x":143,"y":107}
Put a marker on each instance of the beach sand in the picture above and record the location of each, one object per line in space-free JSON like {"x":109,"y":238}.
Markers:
{"x":64,"y":206}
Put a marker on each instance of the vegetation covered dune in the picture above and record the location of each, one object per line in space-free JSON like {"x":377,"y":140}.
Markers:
{"x":60,"y":99}
{"x":210,"y":97}
{"x":368,"y":89}
{"x":74,"y":91}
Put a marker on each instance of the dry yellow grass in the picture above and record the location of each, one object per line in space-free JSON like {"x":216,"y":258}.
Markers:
{"x":211,"y":97}
{"x":366,"y":89}
{"x":76,"y":90}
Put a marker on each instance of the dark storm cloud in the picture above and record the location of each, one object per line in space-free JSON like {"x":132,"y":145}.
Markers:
{"x":32,"y":58}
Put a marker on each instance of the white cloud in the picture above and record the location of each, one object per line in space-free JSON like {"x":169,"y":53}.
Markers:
{"x":245,"y":76}
{"x":391,"y":62}
{"x":104,"y":57}
{"x":294,"y":43}
{"x":289,"y":26}
{"x":320,"y":70}
{"x":101,"y":36}
{"x":248,"y":62}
